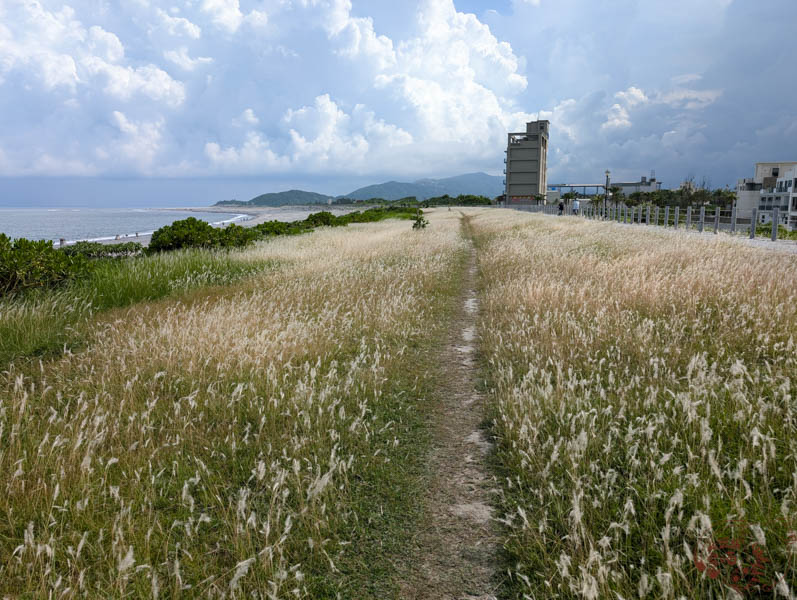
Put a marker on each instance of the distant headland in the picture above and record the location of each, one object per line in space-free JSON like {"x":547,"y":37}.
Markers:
{"x":480,"y":184}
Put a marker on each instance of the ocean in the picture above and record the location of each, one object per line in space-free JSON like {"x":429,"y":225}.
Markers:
{"x":79,"y":208}
{"x":72,"y":224}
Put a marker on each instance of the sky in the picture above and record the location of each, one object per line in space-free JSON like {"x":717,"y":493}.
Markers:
{"x":327,"y":95}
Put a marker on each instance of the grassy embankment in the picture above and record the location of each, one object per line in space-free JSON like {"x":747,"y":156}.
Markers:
{"x":262,"y":437}
{"x":38,"y":322}
{"x":42,"y":323}
{"x":642,"y":386}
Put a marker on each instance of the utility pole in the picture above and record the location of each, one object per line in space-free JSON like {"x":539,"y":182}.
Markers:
{"x":606,"y":193}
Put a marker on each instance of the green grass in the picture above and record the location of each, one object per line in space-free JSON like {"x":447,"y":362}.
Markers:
{"x":642,"y":406}
{"x":389,"y":503}
{"x":44,"y":322}
{"x":277,"y":424}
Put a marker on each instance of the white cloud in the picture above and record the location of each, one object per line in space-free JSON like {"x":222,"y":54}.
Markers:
{"x":179,"y":25}
{"x":326,"y":137}
{"x":690,"y":99}
{"x":253,"y":156}
{"x":247,"y":118}
{"x":125,"y":82}
{"x":618,"y":118}
{"x":140,"y":141}
{"x":407,"y":89}
{"x":686,"y":78}
{"x":632,"y":96}
{"x":227,"y":15}
{"x":181,"y":59}
{"x":105,"y":44}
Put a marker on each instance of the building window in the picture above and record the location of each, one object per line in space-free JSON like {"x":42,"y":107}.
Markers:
{"x":775,"y":171}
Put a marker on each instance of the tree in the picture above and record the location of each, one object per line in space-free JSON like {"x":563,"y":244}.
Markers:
{"x":723,"y":197}
{"x":635,"y":198}
{"x":617,"y":195}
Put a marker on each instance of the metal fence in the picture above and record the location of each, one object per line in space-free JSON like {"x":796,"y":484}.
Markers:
{"x":697,"y":218}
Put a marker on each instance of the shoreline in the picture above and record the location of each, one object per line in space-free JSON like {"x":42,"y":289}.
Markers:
{"x":144,"y":237}
{"x":246,"y":216}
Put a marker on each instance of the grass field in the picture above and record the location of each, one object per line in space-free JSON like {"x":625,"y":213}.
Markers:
{"x":43,"y":323}
{"x":236,"y":440}
{"x":256,"y":423}
{"x":642,"y":388}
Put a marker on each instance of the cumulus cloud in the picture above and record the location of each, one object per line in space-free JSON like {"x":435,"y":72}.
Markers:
{"x":227,"y":14}
{"x":181,"y":58}
{"x":248,"y":117}
{"x":179,"y":25}
{"x":57,"y":47}
{"x":139,"y":141}
{"x":125,"y":82}
{"x":421,"y":88}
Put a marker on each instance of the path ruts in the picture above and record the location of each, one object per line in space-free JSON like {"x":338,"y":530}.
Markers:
{"x":455,"y":553}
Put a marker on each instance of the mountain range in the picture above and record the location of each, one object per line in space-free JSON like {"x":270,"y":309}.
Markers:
{"x":478,"y":184}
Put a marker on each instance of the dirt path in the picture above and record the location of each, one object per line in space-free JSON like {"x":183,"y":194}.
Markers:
{"x":456,"y":553}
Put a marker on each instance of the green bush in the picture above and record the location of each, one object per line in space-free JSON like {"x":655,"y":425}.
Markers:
{"x":420,"y":221}
{"x":783,"y":233}
{"x":194,"y":233}
{"x":234,"y":236}
{"x":27,"y":264}
{"x":186,"y":233}
{"x":98,"y":250}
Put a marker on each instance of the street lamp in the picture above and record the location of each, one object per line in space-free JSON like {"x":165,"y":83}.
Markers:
{"x":606,"y":193}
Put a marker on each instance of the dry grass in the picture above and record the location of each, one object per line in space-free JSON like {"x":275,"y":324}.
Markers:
{"x":207,"y":448}
{"x":643,"y":394}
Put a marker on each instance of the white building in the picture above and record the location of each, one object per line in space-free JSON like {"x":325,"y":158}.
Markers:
{"x":749,"y":191}
{"x":586,"y":190}
{"x":779,"y":192}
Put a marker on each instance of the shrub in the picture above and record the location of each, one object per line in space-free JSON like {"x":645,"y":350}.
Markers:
{"x":98,"y":250}
{"x":186,"y":233}
{"x":783,"y":233}
{"x":234,"y":236}
{"x":322,"y":219}
{"x":194,"y":233}
{"x":420,"y":221}
{"x":27,"y":264}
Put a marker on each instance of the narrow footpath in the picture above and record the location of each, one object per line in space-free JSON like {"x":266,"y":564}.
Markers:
{"x":455,"y":554}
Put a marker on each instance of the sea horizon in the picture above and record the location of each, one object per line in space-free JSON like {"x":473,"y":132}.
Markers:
{"x":72,"y":224}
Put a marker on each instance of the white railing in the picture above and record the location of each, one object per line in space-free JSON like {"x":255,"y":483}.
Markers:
{"x":697,"y":218}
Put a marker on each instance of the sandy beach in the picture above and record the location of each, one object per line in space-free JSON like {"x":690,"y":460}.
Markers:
{"x":262,"y":214}
{"x":254,"y":215}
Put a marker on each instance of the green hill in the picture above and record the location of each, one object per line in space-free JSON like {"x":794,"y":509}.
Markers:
{"x":478,"y":184}
{"x":289,"y":198}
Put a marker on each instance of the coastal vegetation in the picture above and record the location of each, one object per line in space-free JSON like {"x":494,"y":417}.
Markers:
{"x":28,"y":264}
{"x":100,"y":250}
{"x":257,"y":439}
{"x":37,"y":320}
{"x":256,"y":421}
{"x":642,"y":402}
{"x":193,"y":233}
